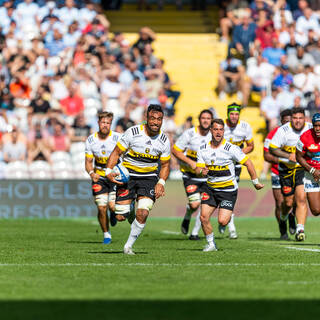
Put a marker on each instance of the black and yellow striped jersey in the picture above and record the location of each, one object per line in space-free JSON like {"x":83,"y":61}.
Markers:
{"x":221,"y":164}
{"x":142,"y":152}
{"x":189,"y":143}
{"x":100,"y":150}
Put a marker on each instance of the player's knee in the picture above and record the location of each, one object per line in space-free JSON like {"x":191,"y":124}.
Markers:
{"x":288,"y":202}
{"x":101,"y":200}
{"x":112,"y":206}
{"x":223,"y":221}
{"x":194,"y":200}
{"x":122,"y":211}
{"x":204,"y":218}
{"x":145,"y":204}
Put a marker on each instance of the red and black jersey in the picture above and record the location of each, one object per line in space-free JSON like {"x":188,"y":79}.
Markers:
{"x":309,"y":144}
{"x":274,"y":166}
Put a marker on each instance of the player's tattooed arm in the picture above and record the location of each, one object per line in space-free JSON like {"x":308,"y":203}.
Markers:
{"x":283,"y":154}
{"x":269,"y":157}
{"x":112,"y":161}
{"x":163,"y":176}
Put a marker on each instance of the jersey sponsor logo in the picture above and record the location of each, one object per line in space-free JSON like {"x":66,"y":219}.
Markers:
{"x":191,"y":188}
{"x":313,"y":147}
{"x":205,"y":196}
{"x":286,"y":189}
{"x":226,"y":203}
{"x":122,"y":192}
{"x":290,"y":149}
{"x":96,"y":187}
{"x":136,"y":154}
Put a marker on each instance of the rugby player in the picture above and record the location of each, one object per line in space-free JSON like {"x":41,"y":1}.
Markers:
{"x":283,"y":145}
{"x":185,"y":149}
{"x":142,"y":147}
{"x":285,"y":116}
{"x":308,"y":155}
{"x":98,"y":148}
{"x":217,"y":160}
{"x":237,"y":132}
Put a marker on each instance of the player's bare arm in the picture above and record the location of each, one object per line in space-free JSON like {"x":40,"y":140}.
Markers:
{"x":269,"y":157}
{"x":182,"y":157}
{"x":253,"y":174}
{"x":249,"y":147}
{"x":112,"y":161}
{"x":163,"y":176}
{"x":89,"y":168}
{"x":202,"y":172}
{"x":283,"y":154}
{"x":303,"y":162}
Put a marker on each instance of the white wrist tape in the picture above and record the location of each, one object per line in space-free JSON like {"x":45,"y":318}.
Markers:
{"x":108,"y":171}
{"x":161,"y":181}
{"x":90,"y":172}
{"x":312,"y":170}
{"x":255,"y":181}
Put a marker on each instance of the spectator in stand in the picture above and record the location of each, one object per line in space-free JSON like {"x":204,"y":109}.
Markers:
{"x":284,"y":79}
{"x":314,"y":105}
{"x":234,"y":9}
{"x":146,"y":36}
{"x":230,"y":76}
{"x":264,"y":35}
{"x":37,"y":145}
{"x":73,"y":104}
{"x":282,"y":14}
{"x":298,"y":12}
{"x":270,"y":109}
{"x":306,"y":81}
{"x":274,"y":53}
{"x":39,"y":105}
{"x":308,"y":21}
{"x":59,"y":140}
{"x":261,"y":5}
{"x":243,"y":36}
{"x":14,"y":149}
{"x":69,"y":12}
{"x":125,"y":122}
{"x":56,"y":44}
{"x":80,"y":131}
{"x":300,"y":59}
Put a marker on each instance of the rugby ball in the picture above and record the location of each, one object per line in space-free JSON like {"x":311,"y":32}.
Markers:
{"x":123,"y":173}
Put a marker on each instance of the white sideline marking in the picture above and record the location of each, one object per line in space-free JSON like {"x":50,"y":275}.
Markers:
{"x":156,"y":264}
{"x":304,"y":249}
{"x":171,"y":232}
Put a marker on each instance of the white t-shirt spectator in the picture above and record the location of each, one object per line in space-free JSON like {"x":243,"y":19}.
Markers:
{"x":86,"y":16}
{"x":284,"y":38}
{"x":277,"y":18}
{"x":68,"y":15}
{"x":14,"y":151}
{"x":111,"y":89}
{"x":261,"y":75}
{"x":26,"y":13}
{"x":303,"y":25}
{"x":71,"y":39}
{"x":271,"y":106}
{"x":306,"y":82}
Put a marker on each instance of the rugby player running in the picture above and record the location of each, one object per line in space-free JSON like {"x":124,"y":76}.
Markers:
{"x":283,"y":145}
{"x":185,"y":149}
{"x":217,"y":160}
{"x":285,"y":117}
{"x":142,"y":147}
{"x":98,"y":148}
{"x":237,"y":132}
{"x":308,"y":155}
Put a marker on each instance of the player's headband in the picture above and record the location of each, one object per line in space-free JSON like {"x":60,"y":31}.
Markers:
{"x":316,"y":118}
{"x":233,"y":108}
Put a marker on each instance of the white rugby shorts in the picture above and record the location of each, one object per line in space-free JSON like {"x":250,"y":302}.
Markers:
{"x":310,"y":185}
{"x":275,"y":181}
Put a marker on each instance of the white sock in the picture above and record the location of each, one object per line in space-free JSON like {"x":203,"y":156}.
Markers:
{"x":231,"y":225}
{"x":107,"y":234}
{"x":300,"y":227}
{"x":136,"y":229}
{"x":197,"y":225}
{"x":210,"y":238}
{"x":189,"y":212}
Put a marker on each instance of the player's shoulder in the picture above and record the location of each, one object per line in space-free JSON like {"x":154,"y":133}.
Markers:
{"x":244,"y":124}
{"x":307,"y":135}
{"x":134,"y":131}
{"x":227,"y":146}
{"x":116,"y":135}
{"x":272,"y":133}
{"x":285,"y":128}
{"x":204,"y":146}
{"x":91,"y":139}
{"x":309,"y":125}
{"x":163,"y":138}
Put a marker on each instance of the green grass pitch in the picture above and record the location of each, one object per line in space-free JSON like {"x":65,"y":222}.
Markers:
{"x":58,"y":269}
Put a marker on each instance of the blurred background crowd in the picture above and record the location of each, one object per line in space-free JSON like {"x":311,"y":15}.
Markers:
{"x":60,"y":65}
{"x":273,"y":54}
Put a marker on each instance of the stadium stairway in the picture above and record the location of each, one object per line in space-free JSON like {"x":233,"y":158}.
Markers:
{"x":192,"y":53}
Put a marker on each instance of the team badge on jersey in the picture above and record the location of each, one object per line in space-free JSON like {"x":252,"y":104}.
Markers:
{"x":205,"y":196}
{"x":191,"y":188}
{"x":147,"y":150}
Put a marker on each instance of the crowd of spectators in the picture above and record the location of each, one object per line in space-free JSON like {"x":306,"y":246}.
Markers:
{"x":60,"y":63}
{"x":274,"y":51}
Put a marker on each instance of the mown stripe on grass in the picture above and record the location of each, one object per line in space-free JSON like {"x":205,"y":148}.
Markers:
{"x":304,"y":249}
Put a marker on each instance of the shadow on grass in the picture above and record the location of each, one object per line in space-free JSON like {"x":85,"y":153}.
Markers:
{"x":158,"y":310}
{"x":115,"y":252}
{"x":302,"y":244}
{"x":85,"y":242}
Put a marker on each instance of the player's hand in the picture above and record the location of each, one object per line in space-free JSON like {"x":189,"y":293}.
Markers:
{"x":193,"y":165}
{"x":204,"y":171}
{"x":259,"y":186}
{"x":316,"y":175}
{"x":159,"y":190}
{"x":292,"y":157}
{"x":94,"y":177}
{"x":111,"y":176}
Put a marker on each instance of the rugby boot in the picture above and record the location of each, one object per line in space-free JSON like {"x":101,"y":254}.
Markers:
{"x":283,"y":230}
{"x":292,"y":223}
{"x":185,"y":226}
{"x":194,"y":237}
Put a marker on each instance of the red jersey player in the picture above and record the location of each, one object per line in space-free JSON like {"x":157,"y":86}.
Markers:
{"x":285,"y":117}
{"x":308,"y":155}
